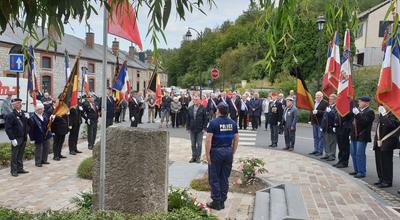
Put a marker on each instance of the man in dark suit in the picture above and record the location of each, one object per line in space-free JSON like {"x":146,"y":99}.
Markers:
{"x":342,"y":128}
{"x":234,"y":104}
{"x":361,"y":135}
{"x":75,"y":121}
{"x":316,"y":118}
{"x":185,"y":100}
{"x":386,"y":140}
{"x":134,"y":109}
{"x":243,"y":112}
{"x":91,"y":116}
{"x":289,"y":121}
{"x":16,"y":127}
{"x":255,"y":106}
{"x":327,"y":125}
{"x":196,"y":123}
{"x":212,"y":106}
{"x":110,"y":107}
{"x":275,"y":119}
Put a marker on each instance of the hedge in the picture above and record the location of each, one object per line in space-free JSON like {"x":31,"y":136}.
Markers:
{"x":85,"y":169}
{"x":5,"y":152}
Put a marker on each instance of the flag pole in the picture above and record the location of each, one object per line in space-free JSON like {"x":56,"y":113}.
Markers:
{"x":103,"y":113}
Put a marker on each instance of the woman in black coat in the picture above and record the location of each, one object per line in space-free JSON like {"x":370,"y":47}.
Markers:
{"x":59,"y":127}
{"x":386,"y":140}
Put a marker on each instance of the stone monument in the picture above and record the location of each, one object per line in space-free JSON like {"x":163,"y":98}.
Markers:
{"x":136,"y":175}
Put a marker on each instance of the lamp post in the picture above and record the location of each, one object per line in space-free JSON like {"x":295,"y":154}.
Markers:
{"x":188,"y":37}
{"x":320,"y":22}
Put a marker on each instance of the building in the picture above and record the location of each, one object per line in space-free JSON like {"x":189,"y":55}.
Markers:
{"x":50,"y":64}
{"x":369,"y":37}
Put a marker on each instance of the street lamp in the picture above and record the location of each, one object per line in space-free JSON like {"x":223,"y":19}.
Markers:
{"x":320,"y":23}
{"x":188,"y":37}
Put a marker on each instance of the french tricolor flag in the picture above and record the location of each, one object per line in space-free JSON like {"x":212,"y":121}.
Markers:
{"x":345,"y":87}
{"x":388,"y":91}
{"x":327,"y":87}
{"x":334,"y":62}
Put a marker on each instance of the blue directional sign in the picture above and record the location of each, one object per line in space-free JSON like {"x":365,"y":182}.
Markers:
{"x":16,"y":62}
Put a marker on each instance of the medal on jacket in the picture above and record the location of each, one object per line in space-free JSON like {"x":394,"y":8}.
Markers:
{"x":274,"y":109}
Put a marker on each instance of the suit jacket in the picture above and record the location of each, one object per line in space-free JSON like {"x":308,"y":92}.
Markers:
{"x":90,"y":113}
{"x":317,"y":118}
{"x":134,"y":109}
{"x":200,"y":122}
{"x":110,"y":107}
{"x":247,"y":104}
{"x":75,"y":118}
{"x":275,"y":112}
{"x":165,"y":104}
{"x":255,"y":104}
{"x":210,"y":105}
{"x":387,"y":124}
{"x":233,"y":107}
{"x":328,"y":120}
{"x":289,"y":118}
{"x":38,"y":131}
{"x":362,"y":125}
{"x":60,"y":125}
{"x":16,"y":125}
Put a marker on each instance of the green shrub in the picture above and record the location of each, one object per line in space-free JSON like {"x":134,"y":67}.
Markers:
{"x":83,"y":200}
{"x":285,"y":83}
{"x":263,"y":93}
{"x":200,"y":184}
{"x":5,"y":152}
{"x":179,"y":198}
{"x":85,"y":169}
{"x":303,"y":116}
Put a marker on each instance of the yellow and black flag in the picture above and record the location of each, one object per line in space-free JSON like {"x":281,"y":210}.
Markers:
{"x":304,"y":99}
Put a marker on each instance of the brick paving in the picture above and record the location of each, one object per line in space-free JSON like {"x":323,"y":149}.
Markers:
{"x":328,"y":193}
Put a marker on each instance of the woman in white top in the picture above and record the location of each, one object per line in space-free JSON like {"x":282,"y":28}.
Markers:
{"x":265,"y":110}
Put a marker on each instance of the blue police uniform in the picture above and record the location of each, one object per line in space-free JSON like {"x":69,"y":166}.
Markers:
{"x":221,"y":155}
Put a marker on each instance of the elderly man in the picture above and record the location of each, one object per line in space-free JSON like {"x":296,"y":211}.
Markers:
{"x":327,"y":125}
{"x":243,"y":112}
{"x":110,"y":107}
{"x":40,"y":135}
{"x":316,"y":118}
{"x":361,"y":135}
{"x":91,"y":116}
{"x":255,"y":110}
{"x":134,"y":109}
{"x":282,"y":100}
{"x":212,"y":106}
{"x":289,"y":121}
{"x":276,"y":112}
{"x":16,"y":127}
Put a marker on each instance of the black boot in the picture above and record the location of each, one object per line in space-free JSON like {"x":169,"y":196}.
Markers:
{"x":214,"y":205}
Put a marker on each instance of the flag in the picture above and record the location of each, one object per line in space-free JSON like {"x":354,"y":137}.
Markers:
{"x":127,"y":87}
{"x":388,"y":90}
{"x":85,"y":82}
{"x":32,"y":80}
{"x":304,"y":99}
{"x":334,"y":62}
{"x":66,"y":61}
{"x":345,"y":87}
{"x":327,"y":87}
{"x":123,"y":23}
{"x":120,"y":79}
{"x":155,"y":85}
{"x":69,"y":97}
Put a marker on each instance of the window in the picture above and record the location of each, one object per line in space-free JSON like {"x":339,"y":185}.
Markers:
{"x":137,"y":86}
{"x":91,"y":68}
{"x":46,"y":84}
{"x":138,"y":75}
{"x":360,"y":30}
{"x":144,"y":84}
{"x":383,"y":26}
{"x":108,"y":82}
{"x":46,"y":62}
{"x":360,"y":59}
{"x":91,"y":85}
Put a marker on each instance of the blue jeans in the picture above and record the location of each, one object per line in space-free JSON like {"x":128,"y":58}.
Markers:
{"x":318,"y":139}
{"x":219,"y":172}
{"x":266,"y":120}
{"x":196,"y":139}
{"x":357,"y":151}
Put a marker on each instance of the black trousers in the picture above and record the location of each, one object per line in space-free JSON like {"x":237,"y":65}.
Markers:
{"x":242,"y":120}
{"x":384,"y":165}
{"x":182,"y":116}
{"x":73,"y":138}
{"x":234,"y":118}
{"x":58,"y":141}
{"x":109,"y":122}
{"x":17,"y":157}
{"x":140,"y":115}
{"x":117,"y":115}
{"x":175,"y":120}
{"x":254,"y":121}
{"x":91,"y":134}
{"x":135,"y":122}
{"x":343,"y":142}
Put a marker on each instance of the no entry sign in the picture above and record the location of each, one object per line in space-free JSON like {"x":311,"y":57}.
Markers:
{"x":214,"y":73}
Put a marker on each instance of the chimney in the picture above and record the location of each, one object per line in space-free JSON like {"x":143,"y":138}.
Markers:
{"x":132,"y":51}
{"x":142,"y":57}
{"x":90,"y":39}
{"x":115,"y":47}
{"x":149,"y":59}
{"x":53,"y":33}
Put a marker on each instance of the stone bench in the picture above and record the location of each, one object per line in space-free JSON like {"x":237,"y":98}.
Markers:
{"x":280,"y":202}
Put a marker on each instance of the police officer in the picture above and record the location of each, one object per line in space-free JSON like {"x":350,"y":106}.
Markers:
{"x":276,"y":112}
{"x":289,"y":122}
{"x":386,"y":140}
{"x":221,"y":144}
{"x":16,"y":124}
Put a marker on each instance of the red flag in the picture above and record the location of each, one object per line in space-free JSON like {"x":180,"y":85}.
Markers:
{"x":334,"y":62}
{"x":327,"y":87}
{"x":345,"y":88}
{"x":123,"y":23}
{"x":388,"y":91}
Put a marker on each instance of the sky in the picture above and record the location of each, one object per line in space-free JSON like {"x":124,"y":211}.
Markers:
{"x":176,"y":28}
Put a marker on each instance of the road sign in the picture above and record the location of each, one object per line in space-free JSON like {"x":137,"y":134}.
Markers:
{"x":214,"y":73}
{"x":16,"y":62}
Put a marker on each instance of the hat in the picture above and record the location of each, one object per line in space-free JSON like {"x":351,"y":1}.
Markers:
{"x":274,"y":94}
{"x":16,"y":100}
{"x":223,"y":108}
{"x":289,"y":98}
{"x":364,"y":99}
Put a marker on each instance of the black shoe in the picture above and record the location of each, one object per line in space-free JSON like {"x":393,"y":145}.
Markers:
{"x":90,"y":147}
{"x":341,"y":166}
{"x":72,"y":153}
{"x":270,"y":145}
{"x":384,"y":185}
{"x":291,"y":148}
{"x":286,"y":148}
{"x":192,"y":160}
{"x":23,"y":171}
{"x":324,"y":158}
{"x":62,"y":157}
{"x":398,"y":191}
{"x":330,"y":159}
{"x":359,"y":176}
{"x":336,"y":164}
{"x":214,"y":205}
{"x":318,"y":154}
{"x":78,"y":152}
{"x":312,"y":153}
{"x":352,"y":173}
{"x":56,"y":158}
{"x":45,"y":162}
{"x":14,"y":174}
{"x":378,"y":183}
{"x":39,"y":165}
